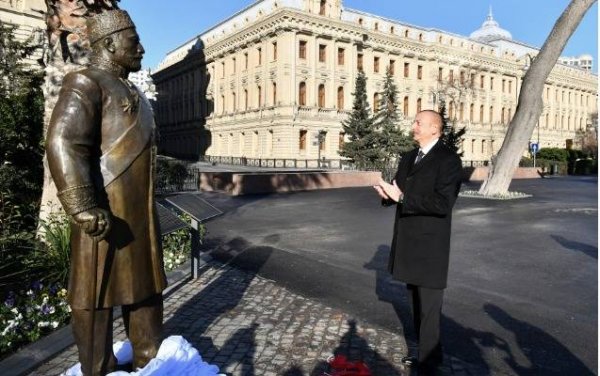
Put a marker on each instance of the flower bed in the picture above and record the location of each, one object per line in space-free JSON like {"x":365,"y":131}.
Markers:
{"x":28,"y":315}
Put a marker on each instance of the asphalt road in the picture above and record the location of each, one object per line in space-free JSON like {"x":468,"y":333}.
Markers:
{"x":522,"y":294}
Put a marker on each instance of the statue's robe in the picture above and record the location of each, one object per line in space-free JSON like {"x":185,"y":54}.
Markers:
{"x":101,"y":152}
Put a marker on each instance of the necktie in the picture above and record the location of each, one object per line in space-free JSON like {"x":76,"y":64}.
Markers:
{"x":419,"y":156}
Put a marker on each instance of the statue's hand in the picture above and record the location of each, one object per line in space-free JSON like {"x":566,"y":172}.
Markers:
{"x":95,"y":222}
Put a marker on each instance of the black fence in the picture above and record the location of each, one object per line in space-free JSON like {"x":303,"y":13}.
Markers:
{"x":174,"y":177}
{"x":333,"y":164}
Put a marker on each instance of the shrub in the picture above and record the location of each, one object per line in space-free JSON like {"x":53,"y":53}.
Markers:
{"x":553,"y":154}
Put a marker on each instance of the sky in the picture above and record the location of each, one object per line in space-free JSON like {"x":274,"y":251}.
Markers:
{"x":165,"y":25}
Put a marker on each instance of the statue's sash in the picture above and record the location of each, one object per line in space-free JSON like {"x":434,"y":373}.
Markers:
{"x":130,"y":145}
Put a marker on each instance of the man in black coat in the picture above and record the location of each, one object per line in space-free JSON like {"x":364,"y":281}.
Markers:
{"x":424,"y":190}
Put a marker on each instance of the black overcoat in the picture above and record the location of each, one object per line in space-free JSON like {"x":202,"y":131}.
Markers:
{"x":421,"y":242}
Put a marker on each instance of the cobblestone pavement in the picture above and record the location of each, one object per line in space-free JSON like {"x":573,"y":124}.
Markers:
{"x":248,"y":325}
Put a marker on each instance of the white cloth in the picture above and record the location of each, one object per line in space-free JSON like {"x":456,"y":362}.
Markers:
{"x":176,"y":356}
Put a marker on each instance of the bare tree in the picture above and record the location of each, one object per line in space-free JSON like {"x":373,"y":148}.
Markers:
{"x":529,"y":107}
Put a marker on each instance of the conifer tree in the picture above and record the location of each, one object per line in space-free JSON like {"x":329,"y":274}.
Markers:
{"x":362,"y":146}
{"x":393,"y":142}
{"x":451,"y":137}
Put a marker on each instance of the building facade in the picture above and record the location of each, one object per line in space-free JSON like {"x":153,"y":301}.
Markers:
{"x":143,"y":80}
{"x":29,"y":18}
{"x":265,"y":82}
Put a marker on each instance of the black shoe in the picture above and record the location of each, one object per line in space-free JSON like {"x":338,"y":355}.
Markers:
{"x":409,"y":361}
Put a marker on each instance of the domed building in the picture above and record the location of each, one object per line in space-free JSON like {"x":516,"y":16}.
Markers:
{"x":490,"y":31}
{"x":262,"y":85}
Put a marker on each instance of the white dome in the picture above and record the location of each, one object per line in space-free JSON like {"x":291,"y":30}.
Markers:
{"x":490,"y":30}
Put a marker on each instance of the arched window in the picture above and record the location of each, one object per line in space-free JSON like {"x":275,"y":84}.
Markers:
{"x":405,"y":106}
{"x":491,"y":114}
{"x":406,"y":33}
{"x":302,"y":94}
{"x":322,"y":8}
{"x":274,"y":94}
{"x":321,"y":96}
{"x":340,"y":98}
{"x":376,"y":102}
{"x":245,"y":99}
{"x":259,"y":92}
{"x":392,"y":29}
{"x":502,"y":116}
{"x":481,"y":114}
{"x":471,"y":109}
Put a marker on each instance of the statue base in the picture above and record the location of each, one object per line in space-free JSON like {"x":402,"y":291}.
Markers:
{"x":176,"y":356}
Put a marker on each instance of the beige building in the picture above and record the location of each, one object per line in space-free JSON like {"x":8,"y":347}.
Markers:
{"x":29,"y":17}
{"x":265,"y":82}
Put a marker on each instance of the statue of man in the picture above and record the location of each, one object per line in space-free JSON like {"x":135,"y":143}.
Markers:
{"x":101,"y":152}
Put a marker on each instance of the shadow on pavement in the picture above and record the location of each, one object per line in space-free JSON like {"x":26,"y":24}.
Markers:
{"x":553,"y":359}
{"x":356,"y":348}
{"x":222,"y":295}
{"x":572,"y":245}
{"x":393,"y":292}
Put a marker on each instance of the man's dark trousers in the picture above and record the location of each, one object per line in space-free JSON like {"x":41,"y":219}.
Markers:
{"x":426,"y":304}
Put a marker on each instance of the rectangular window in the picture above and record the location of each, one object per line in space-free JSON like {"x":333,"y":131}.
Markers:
{"x":491,"y":83}
{"x":510,"y":86}
{"x":376,"y":64}
{"x":259,"y":51}
{"x":233,"y":64}
{"x":503,"y":86}
{"x":481,"y":82}
{"x":245,"y":60}
{"x":472,"y":83}
{"x":302,"y":49}
{"x":341,"y":56}
{"x":302,"y":143}
{"x":406,"y":69}
{"x":451,"y":75}
{"x":419,"y":72}
{"x":440,"y":74}
{"x":462,"y":77}
{"x":392,"y":67}
{"x":274,"y":51}
{"x":222,"y":69}
{"x":322,"y":53}
{"x":359,"y":62}
{"x":322,"y":141}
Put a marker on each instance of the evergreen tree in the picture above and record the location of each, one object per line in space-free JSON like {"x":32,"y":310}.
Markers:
{"x":393,"y":142}
{"x":362,"y":146}
{"x":451,"y":137}
{"x":21,"y":133}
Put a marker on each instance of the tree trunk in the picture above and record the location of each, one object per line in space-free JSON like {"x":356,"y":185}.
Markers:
{"x":530,"y":105}
{"x":67,"y":51}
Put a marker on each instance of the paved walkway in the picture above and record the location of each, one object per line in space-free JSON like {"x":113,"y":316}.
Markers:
{"x":248,"y":325}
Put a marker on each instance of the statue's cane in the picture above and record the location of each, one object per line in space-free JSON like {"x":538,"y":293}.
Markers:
{"x":94,"y":285}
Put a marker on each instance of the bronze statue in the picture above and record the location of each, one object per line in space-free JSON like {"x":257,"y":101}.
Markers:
{"x":101,"y":152}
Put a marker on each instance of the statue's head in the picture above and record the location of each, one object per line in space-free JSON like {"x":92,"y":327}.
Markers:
{"x":113,"y":36}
